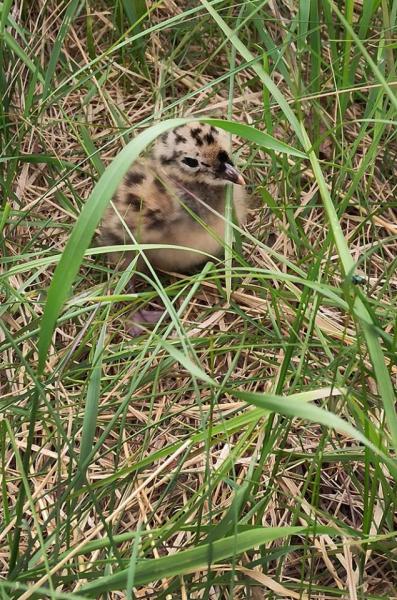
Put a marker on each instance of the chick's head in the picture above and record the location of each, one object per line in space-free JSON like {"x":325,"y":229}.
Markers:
{"x":197,"y":152}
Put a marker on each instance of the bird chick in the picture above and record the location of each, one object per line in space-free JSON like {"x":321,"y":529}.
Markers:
{"x":176,"y":197}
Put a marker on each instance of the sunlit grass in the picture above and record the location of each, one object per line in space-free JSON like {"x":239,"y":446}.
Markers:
{"x":244,"y":447}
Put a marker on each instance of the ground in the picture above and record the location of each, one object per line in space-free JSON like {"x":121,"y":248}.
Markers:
{"x":266,"y":400}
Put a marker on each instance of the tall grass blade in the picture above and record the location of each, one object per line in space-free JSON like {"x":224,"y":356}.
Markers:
{"x":56,"y":50}
{"x":193,"y":559}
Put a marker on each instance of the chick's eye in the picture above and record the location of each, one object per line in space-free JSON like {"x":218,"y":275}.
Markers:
{"x":190,"y":162}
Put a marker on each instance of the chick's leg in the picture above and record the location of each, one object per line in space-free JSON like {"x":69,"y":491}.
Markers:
{"x":153,"y":218}
{"x":142,"y":317}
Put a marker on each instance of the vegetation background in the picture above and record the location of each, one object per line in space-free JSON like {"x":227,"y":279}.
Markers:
{"x":244,"y":448}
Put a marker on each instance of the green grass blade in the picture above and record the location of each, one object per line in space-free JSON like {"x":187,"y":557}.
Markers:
{"x":4,"y":214}
{"x":56,"y":50}
{"x":92,"y":151}
{"x":376,"y":71}
{"x":303,"y":23}
{"x":264,"y":140}
{"x":16,"y":48}
{"x":193,"y":559}
{"x":5,"y":11}
{"x":135,"y":12}
{"x":297,"y":405}
{"x":91,"y":410}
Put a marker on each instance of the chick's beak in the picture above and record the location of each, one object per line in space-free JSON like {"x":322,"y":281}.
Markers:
{"x":231,"y":174}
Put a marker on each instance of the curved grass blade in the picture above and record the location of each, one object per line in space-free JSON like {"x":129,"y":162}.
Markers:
{"x":254,"y":135}
{"x":193,"y":559}
{"x":297,"y":405}
{"x":84,"y":230}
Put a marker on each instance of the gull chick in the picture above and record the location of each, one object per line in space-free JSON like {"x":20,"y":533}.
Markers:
{"x":176,"y":197}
